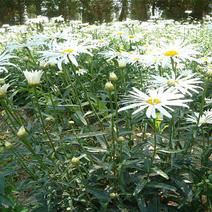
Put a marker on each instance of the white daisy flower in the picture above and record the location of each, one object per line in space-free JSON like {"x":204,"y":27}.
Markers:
{"x":33,"y":77}
{"x":205,"y":118}
{"x":158,"y":99}
{"x":184,"y":84}
{"x":119,"y":34}
{"x":4,"y":61}
{"x":81,"y":71}
{"x":134,"y":57}
{"x":63,"y":52}
{"x":132,"y":38}
{"x":100,"y":43}
{"x":111,"y":54}
{"x":178,"y":50}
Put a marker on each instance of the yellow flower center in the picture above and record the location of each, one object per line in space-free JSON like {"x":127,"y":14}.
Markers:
{"x":135,"y":58}
{"x":101,"y":41}
{"x":131,"y":36}
{"x":68,"y":51}
{"x":171,"y":53}
{"x":172,"y":82}
{"x":204,"y":59}
{"x":153,"y":101}
{"x":120,"y":33}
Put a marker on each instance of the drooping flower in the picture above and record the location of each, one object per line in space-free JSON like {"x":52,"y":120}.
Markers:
{"x":182,"y":83}
{"x":205,"y":118}
{"x":156,"y":100}
{"x":33,"y":77}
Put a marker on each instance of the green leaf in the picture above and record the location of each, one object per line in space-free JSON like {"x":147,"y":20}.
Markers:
{"x":147,"y":164}
{"x":99,"y":194}
{"x":142,"y":205}
{"x":85,"y":135}
{"x":161,"y":173}
{"x":140,"y":187}
{"x":96,"y":149}
{"x":171,"y":151}
{"x":161,"y":186}
{"x":2,"y":184}
{"x":78,"y":117}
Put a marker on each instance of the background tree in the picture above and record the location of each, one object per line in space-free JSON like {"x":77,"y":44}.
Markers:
{"x":13,"y":11}
{"x":176,"y":9}
{"x":124,"y":10}
{"x":140,"y":9}
{"x":97,"y":10}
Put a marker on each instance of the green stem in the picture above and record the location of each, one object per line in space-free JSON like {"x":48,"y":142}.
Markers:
{"x":112,"y":125}
{"x":52,"y":101}
{"x":23,"y":164}
{"x":75,"y":93}
{"x":42,"y":121}
{"x":10,"y":112}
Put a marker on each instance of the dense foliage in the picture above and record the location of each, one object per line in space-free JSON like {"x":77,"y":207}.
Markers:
{"x":111,"y":117}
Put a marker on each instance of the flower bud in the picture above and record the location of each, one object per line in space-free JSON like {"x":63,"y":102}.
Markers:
{"x":75,"y":161}
{"x":121,"y":139}
{"x":8,"y":145}
{"x":22,"y":132}
{"x":113,"y":195}
{"x":109,"y":87}
{"x":113,"y":77}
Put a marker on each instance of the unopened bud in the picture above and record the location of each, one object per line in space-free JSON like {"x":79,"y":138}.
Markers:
{"x":113,"y":77}
{"x":109,"y":87}
{"x":22,"y":132}
{"x":8,"y":145}
{"x":75,"y":161}
{"x":113,"y":195}
{"x":121,"y":139}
